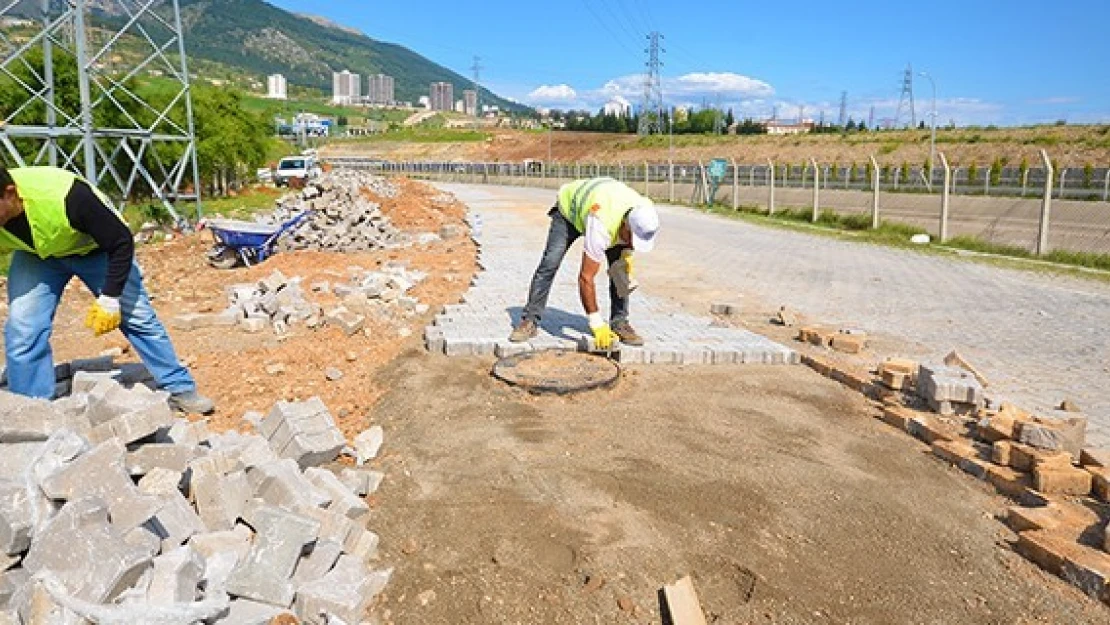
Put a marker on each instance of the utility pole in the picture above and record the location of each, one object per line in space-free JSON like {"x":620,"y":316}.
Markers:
{"x":871,"y":118}
{"x":933,"y":139}
{"x":651,"y":110}
{"x":477,"y":69}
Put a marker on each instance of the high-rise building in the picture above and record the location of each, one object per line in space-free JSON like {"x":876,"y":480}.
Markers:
{"x":443,"y":96}
{"x":470,"y":102}
{"x":381,"y":89}
{"x":346,"y":88}
{"x":276,"y":87}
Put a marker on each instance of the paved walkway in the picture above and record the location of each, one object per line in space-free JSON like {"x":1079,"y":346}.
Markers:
{"x":510,"y":248}
{"x":1039,"y":338}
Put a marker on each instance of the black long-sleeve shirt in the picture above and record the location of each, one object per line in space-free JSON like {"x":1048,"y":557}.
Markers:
{"x":89,"y":215}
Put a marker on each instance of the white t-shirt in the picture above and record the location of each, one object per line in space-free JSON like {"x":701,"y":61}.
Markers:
{"x":595,"y":241}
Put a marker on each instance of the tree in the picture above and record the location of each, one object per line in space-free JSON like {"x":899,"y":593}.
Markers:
{"x":851,"y":125}
{"x":231,"y":141}
{"x":862,"y":126}
{"x":921,"y":125}
{"x":730,"y":119}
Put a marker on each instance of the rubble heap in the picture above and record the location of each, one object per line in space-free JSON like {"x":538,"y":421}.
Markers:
{"x":344,"y":219}
{"x":382,"y":293}
{"x":114,"y":511}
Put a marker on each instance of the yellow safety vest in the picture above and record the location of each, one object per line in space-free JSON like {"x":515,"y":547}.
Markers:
{"x":608,"y":199}
{"x":43,"y":191}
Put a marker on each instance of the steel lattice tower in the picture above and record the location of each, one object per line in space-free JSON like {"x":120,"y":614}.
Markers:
{"x":907,"y":98}
{"x":651,"y":111}
{"x":843,"y":108}
{"x":101,"y":127}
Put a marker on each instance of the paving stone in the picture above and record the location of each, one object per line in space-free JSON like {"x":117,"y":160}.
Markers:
{"x":23,"y":419}
{"x":360,"y":481}
{"x":320,"y":559}
{"x":941,"y":383}
{"x":176,"y":577}
{"x":161,"y":456}
{"x":247,"y":612}
{"x":343,"y":500}
{"x":220,"y":498}
{"x":85,"y":553}
{"x":282,"y":484}
{"x":185,"y":432}
{"x":1060,"y":432}
{"x":345,"y":592}
{"x":303,"y":431}
{"x":368,"y":443}
{"x":16,"y":518}
{"x":101,"y":473}
{"x":280,"y":536}
{"x":235,"y":542}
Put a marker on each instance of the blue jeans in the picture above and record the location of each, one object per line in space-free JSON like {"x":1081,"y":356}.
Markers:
{"x":560,"y":237}
{"x":34,"y":289}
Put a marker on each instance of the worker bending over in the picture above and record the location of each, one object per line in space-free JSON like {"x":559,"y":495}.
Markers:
{"x":58,"y":226}
{"x":614,"y":221}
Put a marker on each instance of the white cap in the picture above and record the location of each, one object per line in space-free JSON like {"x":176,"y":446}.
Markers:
{"x":643,"y":221}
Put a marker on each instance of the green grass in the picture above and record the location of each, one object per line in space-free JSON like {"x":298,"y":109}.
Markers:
{"x":250,"y":201}
{"x":856,"y":227}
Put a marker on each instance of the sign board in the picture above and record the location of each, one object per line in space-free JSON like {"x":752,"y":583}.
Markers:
{"x":717,"y":169}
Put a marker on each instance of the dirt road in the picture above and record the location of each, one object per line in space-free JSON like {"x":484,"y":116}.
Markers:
{"x":772,"y":487}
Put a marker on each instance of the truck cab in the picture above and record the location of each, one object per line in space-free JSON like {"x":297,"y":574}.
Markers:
{"x":300,"y":168}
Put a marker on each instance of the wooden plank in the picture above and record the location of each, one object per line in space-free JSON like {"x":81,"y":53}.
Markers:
{"x":683,"y":604}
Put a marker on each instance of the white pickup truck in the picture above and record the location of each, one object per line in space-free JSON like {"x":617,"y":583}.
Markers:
{"x":302,"y":168}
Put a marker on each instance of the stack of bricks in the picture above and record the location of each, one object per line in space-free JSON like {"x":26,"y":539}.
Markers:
{"x":950,"y":390}
{"x":846,"y":341}
{"x":114,"y":510}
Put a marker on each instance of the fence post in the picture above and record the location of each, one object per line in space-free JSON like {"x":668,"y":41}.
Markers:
{"x":1046,"y":205}
{"x":647,"y":180}
{"x":1063,"y":179}
{"x":751,"y":177}
{"x":620,"y":170}
{"x":771,"y":187}
{"x":735,"y":186}
{"x":875,"y":181}
{"x":816,"y":190}
{"x":1025,"y":181}
{"x":944,"y":197}
{"x":704,"y":185}
{"x":670,"y":179}
{"x":1106,"y":187}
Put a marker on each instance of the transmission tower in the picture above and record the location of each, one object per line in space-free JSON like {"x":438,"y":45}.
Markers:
{"x":906,"y":99}
{"x":871,"y":118}
{"x":477,"y":69}
{"x":101,"y":128}
{"x":843,"y":108}
{"x":651,"y":111}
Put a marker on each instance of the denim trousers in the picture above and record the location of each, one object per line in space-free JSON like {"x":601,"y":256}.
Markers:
{"x":35,"y":287}
{"x":560,"y":237}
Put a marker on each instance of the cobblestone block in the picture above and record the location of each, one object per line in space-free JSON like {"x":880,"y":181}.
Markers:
{"x":23,"y":419}
{"x":940,"y":383}
{"x":317,"y":562}
{"x":235,"y":543}
{"x":1066,"y":432}
{"x":345,"y":592}
{"x":280,"y":536}
{"x":85,"y":553}
{"x":185,"y":432}
{"x":176,"y":522}
{"x":343,"y":501}
{"x":368,"y":443}
{"x":305,"y":432}
{"x":247,"y":612}
{"x":219,"y":498}
{"x":361,"y":482}
{"x":161,"y":456}
{"x":282,"y":484}
{"x":1062,"y":480}
{"x":176,"y":577}
{"x":100,"y":473}
{"x":16,"y":518}
{"x":345,"y":320}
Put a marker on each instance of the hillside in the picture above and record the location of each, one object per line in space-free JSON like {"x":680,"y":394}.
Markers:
{"x":260,"y":39}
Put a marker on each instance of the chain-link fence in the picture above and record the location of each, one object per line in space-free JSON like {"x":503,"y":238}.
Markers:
{"x":1008,"y":206}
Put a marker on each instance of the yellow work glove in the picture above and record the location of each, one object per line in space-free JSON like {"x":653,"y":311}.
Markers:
{"x":104,"y":315}
{"x":629,"y":264}
{"x":604,"y":337}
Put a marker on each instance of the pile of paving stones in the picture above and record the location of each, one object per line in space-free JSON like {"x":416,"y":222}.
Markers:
{"x":343,"y":219}
{"x":381,"y":293}
{"x":114,"y":511}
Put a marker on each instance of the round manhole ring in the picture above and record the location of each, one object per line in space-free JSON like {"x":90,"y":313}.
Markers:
{"x":557,"y":371}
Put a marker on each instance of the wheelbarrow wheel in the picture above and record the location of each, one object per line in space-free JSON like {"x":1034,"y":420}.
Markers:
{"x":223,"y":258}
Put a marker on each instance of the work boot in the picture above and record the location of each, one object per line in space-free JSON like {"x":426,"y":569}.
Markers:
{"x":627,"y":333}
{"x":192,"y":402}
{"x":526,"y":330}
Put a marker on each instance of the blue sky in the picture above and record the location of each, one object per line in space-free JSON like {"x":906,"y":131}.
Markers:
{"x":993,"y":62}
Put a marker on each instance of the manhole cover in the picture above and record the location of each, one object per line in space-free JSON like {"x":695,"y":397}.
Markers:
{"x":557,"y":371}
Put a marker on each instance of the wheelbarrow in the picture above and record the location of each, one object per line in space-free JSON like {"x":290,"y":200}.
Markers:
{"x":245,"y":241}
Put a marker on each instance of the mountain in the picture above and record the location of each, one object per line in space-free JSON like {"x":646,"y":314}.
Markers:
{"x":262,"y":39}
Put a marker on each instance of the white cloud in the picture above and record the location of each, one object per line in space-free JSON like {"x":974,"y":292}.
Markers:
{"x":552,"y":94}
{"x":727,"y":84}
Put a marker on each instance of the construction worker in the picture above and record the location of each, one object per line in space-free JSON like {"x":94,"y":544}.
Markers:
{"x":58,"y":226}
{"x":614,"y":221}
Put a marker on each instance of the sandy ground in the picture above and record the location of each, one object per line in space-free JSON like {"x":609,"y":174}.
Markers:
{"x":775,"y":489}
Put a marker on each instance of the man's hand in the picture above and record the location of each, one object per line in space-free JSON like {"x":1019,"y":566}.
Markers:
{"x":604,"y":337}
{"x":104,"y":315}
{"x":629,"y":264}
